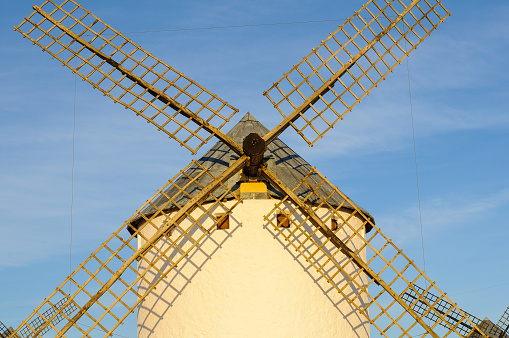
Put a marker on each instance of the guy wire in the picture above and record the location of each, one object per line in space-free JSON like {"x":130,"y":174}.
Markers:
{"x":72,"y":170}
{"x":415,"y":153}
{"x":415,"y":161}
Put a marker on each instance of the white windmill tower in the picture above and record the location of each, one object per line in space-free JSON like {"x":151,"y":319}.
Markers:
{"x":246,"y":279}
{"x":175,"y":241}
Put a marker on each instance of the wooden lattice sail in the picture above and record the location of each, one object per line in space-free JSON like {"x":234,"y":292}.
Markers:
{"x":453,"y":318}
{"x":55,"y":311}
{"x":4,"y":331}
{"x":312,"y":97}
{"x":317,"y":92}
{"x":503,"y":323}
{"x":125,"y":72}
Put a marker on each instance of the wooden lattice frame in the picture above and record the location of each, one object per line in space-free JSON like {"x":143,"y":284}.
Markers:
{"x":56,"y":311}
{"x":106,"y":284}
{"x":346,"y":66}
{"x":503,"y":323}
{"x":4,"y":331}
{"x":442,"y":306}
{"x":125,"y":72}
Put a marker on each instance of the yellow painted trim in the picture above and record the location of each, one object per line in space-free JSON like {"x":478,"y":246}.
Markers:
{"x":253,"y":187}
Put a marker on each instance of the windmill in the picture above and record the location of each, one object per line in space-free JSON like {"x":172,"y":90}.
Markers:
{"x":312,"y":97}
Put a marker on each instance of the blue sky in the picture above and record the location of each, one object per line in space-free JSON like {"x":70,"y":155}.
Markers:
{"x":459,"y":83}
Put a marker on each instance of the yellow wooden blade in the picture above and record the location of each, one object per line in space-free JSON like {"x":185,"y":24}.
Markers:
{"x":367,"y":269}
{"x":128,"y":74}
{"x":343,"y":69}
{"x":117,"y":277}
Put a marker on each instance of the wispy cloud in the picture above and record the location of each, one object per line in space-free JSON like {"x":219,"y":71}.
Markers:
{"x":24,"y":243}
{"x":440,"y":214}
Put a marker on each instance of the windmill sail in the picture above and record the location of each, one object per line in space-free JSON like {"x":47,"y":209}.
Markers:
{"x":420,"y":301}
{"x":55,"y":311}
{"x":106,"y":285}
{"x":367,"y":269}
{"x":346,"y":66}
{"x":42,"y":323}
{"x":125,"y":72}
{"x":4,"y":331}
{"x":503,"y":324}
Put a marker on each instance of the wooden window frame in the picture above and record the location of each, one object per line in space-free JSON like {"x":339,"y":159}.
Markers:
{"x":283,"y":220}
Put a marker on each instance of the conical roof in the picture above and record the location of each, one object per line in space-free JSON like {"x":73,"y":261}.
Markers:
{"x":288,"y":166}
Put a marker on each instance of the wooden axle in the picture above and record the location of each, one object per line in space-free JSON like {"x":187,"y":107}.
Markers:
{"x":254,"y":146}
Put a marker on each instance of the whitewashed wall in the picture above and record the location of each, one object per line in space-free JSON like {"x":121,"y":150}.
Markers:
{"x":247,"y":282}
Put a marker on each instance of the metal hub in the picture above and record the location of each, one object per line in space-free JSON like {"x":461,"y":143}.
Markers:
{"x":254,"y":146}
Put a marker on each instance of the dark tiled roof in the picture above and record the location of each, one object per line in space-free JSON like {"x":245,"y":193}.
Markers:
{"x":286,"y":165}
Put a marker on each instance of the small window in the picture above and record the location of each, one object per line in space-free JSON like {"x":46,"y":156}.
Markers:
{"x":333,"y":224}
{"x":283,"y":220}
{"x":222,"y":221}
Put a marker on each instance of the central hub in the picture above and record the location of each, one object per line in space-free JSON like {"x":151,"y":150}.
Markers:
{"x":254,"y":147}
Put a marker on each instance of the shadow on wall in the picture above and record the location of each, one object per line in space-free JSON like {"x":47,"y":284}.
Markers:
{"x":305,"y":245}
{"x":152,"y":312}
{"x":180,"y":277}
